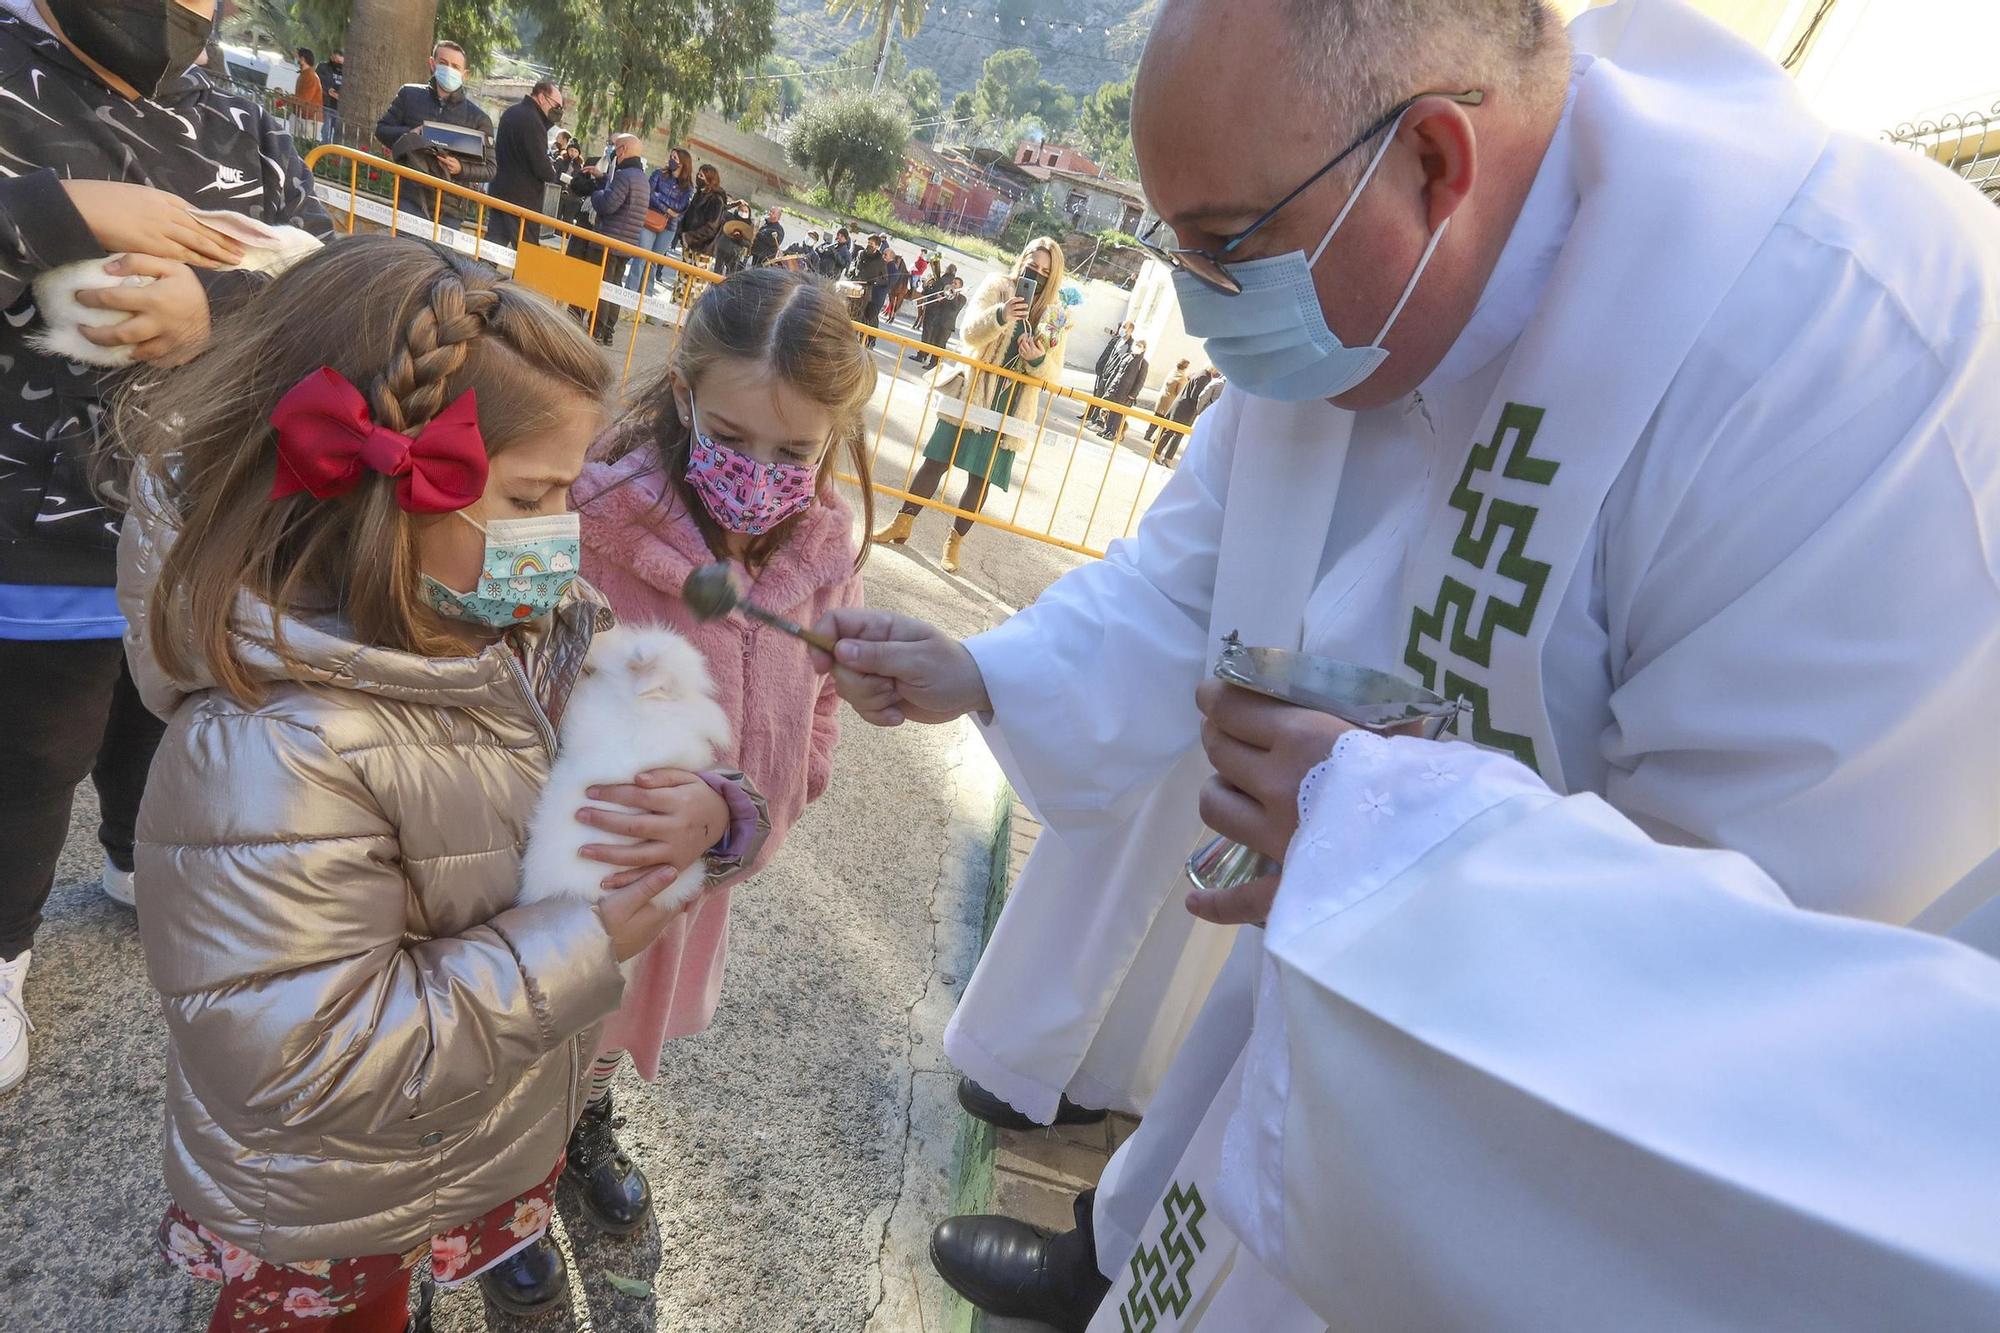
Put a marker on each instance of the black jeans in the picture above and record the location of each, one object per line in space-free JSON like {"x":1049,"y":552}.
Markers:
{"x":74,"y":712}
{"x":508,"y":230}
{"x":1170,"y":443}
{"x":607,"y":312}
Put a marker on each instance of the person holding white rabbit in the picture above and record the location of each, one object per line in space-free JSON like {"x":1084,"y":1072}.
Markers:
{"x":112,"y":141}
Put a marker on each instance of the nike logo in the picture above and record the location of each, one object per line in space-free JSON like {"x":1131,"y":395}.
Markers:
{"x":73,"y":513}
{"x":30,"y":395}
{"x":226,"y":178}
{"x":16,"y":97}
{"x":17,"y":319}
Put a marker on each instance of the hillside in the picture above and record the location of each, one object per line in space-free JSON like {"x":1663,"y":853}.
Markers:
{"x":956,"y":45}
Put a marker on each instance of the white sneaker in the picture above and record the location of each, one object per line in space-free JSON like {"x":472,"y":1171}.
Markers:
{"x":118,"y":885}
{"x":14,"y":1023}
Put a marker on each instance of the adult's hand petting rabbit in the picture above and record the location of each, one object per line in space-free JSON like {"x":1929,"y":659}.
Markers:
{"x":138,"y":219}
{"x":141,"y":305}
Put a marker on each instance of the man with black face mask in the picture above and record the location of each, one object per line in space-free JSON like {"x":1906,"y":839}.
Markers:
{"x":523,"y":166}
{"x":441,"y":98}
{"x":110,"y":139}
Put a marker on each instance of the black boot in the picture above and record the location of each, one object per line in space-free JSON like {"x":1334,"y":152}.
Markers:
{"x":1009,"y":1268}
{"x":983,"y":1105}
{"x":530,"y":1281}
{"x":616,"y":1196}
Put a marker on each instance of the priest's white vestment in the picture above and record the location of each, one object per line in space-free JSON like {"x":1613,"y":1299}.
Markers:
{"x":1699,"y":513}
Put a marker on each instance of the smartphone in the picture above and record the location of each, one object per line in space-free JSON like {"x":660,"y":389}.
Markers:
{"x":1025,"y":288}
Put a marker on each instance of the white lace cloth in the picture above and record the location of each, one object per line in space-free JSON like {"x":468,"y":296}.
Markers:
{"x":1375,"y":808}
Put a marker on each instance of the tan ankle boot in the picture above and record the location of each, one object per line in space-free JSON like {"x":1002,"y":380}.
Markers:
{"x":952,"y":545}
{"x":897,"y":532}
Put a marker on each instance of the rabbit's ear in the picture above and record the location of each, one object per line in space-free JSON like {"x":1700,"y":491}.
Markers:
{"x":238,"y":227}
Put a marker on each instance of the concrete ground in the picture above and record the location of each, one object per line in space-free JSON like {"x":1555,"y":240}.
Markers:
{"x":800,"y":1149}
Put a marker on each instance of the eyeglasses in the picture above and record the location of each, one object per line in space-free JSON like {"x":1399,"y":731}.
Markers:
{"x":1211,"y":267}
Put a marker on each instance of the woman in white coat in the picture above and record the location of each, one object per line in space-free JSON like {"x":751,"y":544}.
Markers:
{"x":1003,"y":328}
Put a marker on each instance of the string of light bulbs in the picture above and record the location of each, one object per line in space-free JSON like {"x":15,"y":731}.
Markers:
{"x":1004,"y":23}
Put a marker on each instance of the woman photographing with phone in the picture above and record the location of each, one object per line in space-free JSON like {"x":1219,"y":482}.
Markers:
{"x":1005,"y":323}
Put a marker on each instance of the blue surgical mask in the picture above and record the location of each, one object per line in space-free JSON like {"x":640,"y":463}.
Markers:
{"x":449,"y":80}
{"x":1271,"y":339}
{"x":528,"y":565}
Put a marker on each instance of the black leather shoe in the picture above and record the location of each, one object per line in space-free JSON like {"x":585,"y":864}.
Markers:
{"x":1011,"y":1269}
{"x":529,"y":1281}
{"x":616,"y":1197}
{"x":983,"y":1105}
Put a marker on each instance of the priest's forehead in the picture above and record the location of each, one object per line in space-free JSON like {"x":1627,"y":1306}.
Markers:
{"x":1237,"y":101}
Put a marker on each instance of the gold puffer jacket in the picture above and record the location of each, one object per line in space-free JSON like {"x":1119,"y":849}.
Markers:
{"x":368,"y":1042}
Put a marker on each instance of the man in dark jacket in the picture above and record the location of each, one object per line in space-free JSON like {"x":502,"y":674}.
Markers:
{"x":522,"y":167}
{"x":770,"y":237}
{"x":939,"y":313}
{"x":871,"y":269}
{"x":1186,"y":407}
{"x":837,"y":255}
{"x":441,"y":99}
{"x":620,"y":204}
{"x":1128,"y":377}
{"x":1107,"y":366}
{"x":102,"y":157}
{"x":331,"y":71}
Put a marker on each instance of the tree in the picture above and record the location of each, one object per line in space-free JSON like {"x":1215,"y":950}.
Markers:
{"x":774,"y":94}
{"x":624,"y":63}
{"x":925,"y":96}
{"x":1012,"y":100}
{"x":1104,"y":123}
{"x":884,"y":15}
{"x":851,"y":143}
{"x":387,"y":45}
{"x":859,"y":63}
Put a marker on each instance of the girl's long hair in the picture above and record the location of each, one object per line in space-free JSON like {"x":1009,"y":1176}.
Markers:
{"x":796,"y":327}
{"x":680,"y":167}
{"x":412,"y":326}
{"x":1047,"y":292}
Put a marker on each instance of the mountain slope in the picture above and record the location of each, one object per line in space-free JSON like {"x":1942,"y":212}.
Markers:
{"x":956,"y":46}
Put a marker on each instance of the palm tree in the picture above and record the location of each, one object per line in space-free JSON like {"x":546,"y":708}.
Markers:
{"x":883,"y":14}
{"x":388,"y":42}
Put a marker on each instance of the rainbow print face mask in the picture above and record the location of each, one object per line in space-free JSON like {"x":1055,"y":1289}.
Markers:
{"x":528,"y":566}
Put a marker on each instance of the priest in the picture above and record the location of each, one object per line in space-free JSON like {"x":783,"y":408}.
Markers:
{"x":1586,"y":377}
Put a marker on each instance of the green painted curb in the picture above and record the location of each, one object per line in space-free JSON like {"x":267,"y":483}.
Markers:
{"x":972,"y":1191}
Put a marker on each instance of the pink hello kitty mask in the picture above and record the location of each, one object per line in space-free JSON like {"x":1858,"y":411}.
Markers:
{"x":740,"y":492}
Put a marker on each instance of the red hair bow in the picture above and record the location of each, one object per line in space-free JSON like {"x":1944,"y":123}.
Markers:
{"x":327,"y":436}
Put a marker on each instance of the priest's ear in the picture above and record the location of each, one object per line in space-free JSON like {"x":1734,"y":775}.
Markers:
{"x":1447,"y":146}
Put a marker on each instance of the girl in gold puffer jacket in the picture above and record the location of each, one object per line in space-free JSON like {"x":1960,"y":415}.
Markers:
{"x":349,"y":570}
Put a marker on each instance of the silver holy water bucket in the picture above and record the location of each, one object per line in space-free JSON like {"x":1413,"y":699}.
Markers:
{"x":1366,"y":698}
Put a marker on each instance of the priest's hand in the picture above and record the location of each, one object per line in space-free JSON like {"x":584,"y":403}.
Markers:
{"x":1262,"y":751}
{"x":893,"y":669}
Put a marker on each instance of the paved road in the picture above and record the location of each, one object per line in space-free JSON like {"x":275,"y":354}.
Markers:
{"x":799,"y":1148}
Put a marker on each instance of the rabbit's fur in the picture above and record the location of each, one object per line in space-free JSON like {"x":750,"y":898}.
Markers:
{"x":266,"y":249}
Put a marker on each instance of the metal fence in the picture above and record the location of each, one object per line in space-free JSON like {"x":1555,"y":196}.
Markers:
{"x":1967,"y":142}
{"x":1068,"y":491}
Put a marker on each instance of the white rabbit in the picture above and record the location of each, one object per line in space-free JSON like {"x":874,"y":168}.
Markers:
{"x":645,"y":700}
{"x":266,"y":249}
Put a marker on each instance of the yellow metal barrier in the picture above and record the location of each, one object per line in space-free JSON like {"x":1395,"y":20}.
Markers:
{"x":1070,"y":492}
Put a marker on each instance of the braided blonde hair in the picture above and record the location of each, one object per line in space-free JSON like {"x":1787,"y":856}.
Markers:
{"x":414,"y":327}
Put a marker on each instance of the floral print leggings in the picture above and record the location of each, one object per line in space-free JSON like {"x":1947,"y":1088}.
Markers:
{"x":326,"y":1294}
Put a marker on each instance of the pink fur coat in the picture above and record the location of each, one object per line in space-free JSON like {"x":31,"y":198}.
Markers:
{"x":639,"y":544}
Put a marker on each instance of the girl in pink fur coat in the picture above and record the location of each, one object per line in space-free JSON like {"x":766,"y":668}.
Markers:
{"x":731,"y":456}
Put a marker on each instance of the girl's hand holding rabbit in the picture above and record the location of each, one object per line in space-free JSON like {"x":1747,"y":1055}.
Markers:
{"x":673,"y":817}
{"x":169,"y":323}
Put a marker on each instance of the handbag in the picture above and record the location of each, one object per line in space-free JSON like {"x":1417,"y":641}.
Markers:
{"x":656,"y":221}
